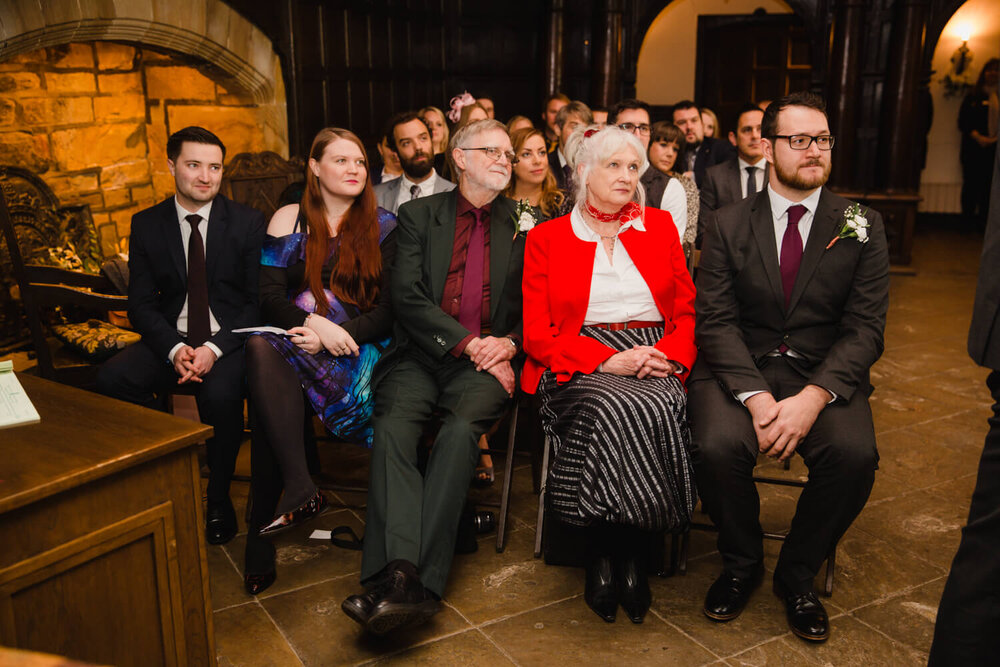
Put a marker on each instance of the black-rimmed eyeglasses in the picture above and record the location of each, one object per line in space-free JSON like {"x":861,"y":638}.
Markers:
{"x":494,"y":153}
{"x":801,"y":142}
{"x":632,"y":127}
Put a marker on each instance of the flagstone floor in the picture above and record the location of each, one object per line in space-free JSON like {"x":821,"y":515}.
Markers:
{"x":930,"y":407}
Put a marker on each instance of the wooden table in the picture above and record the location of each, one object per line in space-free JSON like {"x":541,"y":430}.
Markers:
{"x":102,"y":557}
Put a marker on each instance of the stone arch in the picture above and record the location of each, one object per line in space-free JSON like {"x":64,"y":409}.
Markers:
{"x":208,"y":29}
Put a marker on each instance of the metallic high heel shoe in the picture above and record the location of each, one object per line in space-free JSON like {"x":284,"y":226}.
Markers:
{"x":310,"y":509}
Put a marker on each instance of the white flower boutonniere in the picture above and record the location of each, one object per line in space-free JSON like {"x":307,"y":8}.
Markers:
{"x":524,"y":218}
{"x":855,"y":226}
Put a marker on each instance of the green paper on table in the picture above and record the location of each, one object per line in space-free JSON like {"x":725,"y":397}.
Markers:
{"x":15,"y":406}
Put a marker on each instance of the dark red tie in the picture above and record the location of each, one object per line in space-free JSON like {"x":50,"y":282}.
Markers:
{"x":791,"y":250}
{"x":470,"y":311}
{"x":199,"y":329}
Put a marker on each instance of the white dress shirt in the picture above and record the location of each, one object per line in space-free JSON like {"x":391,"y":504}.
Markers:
{"x":426,"y":188}
{"x":675,"y":203}
{"x":182,"y":319}
{"x":618,"y":292}
{"x":758,"y":174}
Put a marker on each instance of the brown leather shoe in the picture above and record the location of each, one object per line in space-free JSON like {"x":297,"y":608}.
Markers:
{"x":403,"y":603}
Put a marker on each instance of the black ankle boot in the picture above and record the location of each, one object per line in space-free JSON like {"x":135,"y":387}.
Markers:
{"x":600,"y":590}
{"x":633,"y":586}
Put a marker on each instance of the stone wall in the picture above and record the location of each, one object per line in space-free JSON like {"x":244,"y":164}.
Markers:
{"x":92,"y":119}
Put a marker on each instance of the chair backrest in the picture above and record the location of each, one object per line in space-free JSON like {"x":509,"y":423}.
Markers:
{"x":34,"y":228}
{"x":265,"y":181}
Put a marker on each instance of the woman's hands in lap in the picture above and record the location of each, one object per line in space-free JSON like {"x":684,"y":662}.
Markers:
{"x":641,"y":361}
{"x":322,"y":333}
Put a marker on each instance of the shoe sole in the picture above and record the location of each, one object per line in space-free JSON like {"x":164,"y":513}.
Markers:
{"x":354,"y":612}
{"x":400,"y":616}
{"x":720,"y":618}
{"x":810,"y":638}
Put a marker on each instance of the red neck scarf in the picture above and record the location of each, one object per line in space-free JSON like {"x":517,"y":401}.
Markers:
{"x":627,"y":212}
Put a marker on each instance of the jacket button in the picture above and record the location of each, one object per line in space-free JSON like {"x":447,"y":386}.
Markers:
{"x":785,"y":337}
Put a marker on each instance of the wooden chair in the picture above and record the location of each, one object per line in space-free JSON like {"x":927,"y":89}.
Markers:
{"x":31,"y":219}
{"x":264,"y":181}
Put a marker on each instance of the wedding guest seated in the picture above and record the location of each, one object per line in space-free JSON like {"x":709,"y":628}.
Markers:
{"x":609,"y":334}
{"x":665,"y":146}
{"x":532,"y":180}
{"x":438,"y":125}
{"x":518,"y":123}
{"x":573,"y":115}
{"x":324,"y":278}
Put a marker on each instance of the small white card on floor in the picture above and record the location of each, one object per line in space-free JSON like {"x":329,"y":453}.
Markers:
{"x":320,"y":535}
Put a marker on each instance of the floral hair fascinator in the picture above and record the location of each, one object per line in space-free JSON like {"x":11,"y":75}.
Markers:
{"x":456,"y":104}
{"x":589,"y":133}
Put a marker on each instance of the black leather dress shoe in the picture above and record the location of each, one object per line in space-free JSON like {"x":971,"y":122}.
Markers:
{"x":806,"y":615}
{"x":633,"y":588}
{"x":729,"y":594}
{"x":220,"y":522}
{"x":402,"y":602}
{"x":600,"y":590}
{"x":255,"y":584}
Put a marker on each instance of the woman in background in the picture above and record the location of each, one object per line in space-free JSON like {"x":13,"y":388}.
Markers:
{"x":438,"y":125}
{"x":532,"y":179}
{"x":710,"y":122}
{"x":665,"y":152}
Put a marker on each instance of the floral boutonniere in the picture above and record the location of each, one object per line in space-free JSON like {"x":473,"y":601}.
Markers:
{"x":855,"y":226}
{"x":524,"y":218}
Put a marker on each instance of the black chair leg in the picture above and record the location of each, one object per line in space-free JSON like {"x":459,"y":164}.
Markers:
{"x":541,"y":497}
{"x":508,"y":480}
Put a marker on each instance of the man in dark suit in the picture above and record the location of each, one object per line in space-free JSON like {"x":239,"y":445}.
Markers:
{"x":193,"y":270}
{"x":410,"y":142}
{"x":701,"y":152}
{"x":968,"y":616}
{"x":788,"y":327}
{"x":456,"y":294}
{"x":742,"y":176}
{"x":570,"y":117}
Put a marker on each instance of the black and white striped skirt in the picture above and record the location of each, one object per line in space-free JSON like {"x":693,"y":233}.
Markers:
{"x":620,"y":444}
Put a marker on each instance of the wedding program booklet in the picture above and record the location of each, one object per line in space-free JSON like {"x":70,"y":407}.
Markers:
{"x":15,"y":406}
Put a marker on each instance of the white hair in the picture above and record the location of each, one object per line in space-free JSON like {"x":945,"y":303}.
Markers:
{"x":463,"y":137}
{"x":584,"y":152}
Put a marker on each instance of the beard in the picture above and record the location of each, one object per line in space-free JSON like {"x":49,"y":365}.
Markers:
{"x":414,"y":167}
{"x":793,"y":179}
{"x":488,"y":179}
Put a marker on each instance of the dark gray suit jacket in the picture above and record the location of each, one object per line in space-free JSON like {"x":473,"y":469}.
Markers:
{"x":387,"y":193}
{"x":723,"y":185}
{"x":984,"y":337}
{"x":836,"y":315}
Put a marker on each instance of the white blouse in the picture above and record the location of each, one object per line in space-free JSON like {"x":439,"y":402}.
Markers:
{"x":618,"y":292}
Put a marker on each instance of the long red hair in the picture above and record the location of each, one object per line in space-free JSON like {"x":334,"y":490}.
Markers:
{"x":357,"y":274}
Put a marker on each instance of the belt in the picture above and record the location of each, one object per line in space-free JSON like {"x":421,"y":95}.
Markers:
{"x":622,"y":326}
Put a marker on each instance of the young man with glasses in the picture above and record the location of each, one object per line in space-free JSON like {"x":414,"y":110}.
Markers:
{"x":790,"y":318}
{"x":662,"y":191}
{"x":456,"y":297}
{"x":700,"y":152}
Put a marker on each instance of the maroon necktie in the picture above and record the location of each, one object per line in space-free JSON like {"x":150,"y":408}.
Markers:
{"x":199,"y":329}
{"x":791,"y":250}
{"x":470,"y":311}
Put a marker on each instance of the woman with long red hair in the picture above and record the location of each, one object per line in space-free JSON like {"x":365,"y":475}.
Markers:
{"x":323,"y":280}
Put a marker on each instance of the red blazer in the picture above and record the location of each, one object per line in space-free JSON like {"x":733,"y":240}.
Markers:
{"x":558,"y":269}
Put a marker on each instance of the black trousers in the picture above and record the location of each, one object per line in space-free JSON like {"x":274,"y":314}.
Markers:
{"x":839,"y":452}
{"x":138,"y":375}
{"x":969,"y":614}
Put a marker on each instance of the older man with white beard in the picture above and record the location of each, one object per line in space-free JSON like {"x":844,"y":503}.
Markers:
{"x":456,"y":295}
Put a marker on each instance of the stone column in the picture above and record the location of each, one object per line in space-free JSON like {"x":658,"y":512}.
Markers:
{"x":553,"y":53}
{"x":844,"y":78}
{"x":900,"y":97}
{"x":605,"y":80}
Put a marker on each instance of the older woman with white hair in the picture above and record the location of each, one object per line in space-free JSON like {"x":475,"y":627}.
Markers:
{"x":609,"y":334}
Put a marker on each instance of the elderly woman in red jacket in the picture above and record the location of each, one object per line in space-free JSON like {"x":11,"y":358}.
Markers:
{"x":609,"y":334}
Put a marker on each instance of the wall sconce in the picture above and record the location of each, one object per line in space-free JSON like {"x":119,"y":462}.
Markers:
{"x":955,"y":82}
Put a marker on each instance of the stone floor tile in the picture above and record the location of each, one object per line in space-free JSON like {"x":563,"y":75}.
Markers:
{"x":894,"y":408}
{"x":302,"y":561}
{"x":775,"y":653}
{"x":226,"y":582}
{"x":907,"y":618}
{"x":920,"y":523}
{"x":569,"y":632}
{"x":963,"y":429}
{"x":958,"y":490}
{"x":471,"y":647}
{"x":322,"y":634}
{"x":908,"y":454}
{"x":245,"y":635}
{"x":854,"y":643}
{"x":486,"y":585}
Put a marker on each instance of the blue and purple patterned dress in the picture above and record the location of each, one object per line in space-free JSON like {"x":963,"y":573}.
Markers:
{"x":337,"y":387}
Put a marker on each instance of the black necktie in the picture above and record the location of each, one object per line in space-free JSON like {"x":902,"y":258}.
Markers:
{"x":199,"y":329}
{"x":751,"y":180}
{"x":414,"y":192}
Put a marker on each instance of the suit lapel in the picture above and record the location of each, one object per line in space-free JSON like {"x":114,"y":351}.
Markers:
{"x":762,"y":225}
{"x":441,"y":241}
{"x":172,"y":236}
{"x":822,"y":230}
{"x":501,"y":242}
{"x":736,"y":188}
{"x":218,"y":221}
